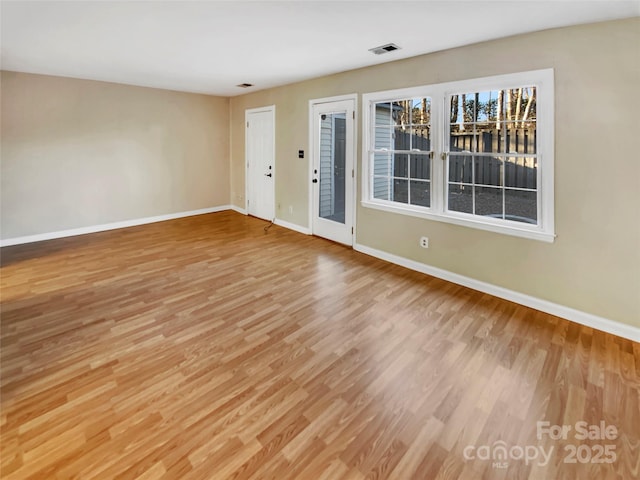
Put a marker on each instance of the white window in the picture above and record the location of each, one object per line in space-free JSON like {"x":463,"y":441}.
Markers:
{"x":477,"y":153}
{"x":402,"y":151}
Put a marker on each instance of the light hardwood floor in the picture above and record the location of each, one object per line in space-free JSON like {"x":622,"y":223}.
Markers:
{"x":206,"y":348}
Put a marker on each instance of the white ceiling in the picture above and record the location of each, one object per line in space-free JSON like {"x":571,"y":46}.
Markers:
{"x":211,"y":46}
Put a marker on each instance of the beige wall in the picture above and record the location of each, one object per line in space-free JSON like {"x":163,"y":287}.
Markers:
{"x":594,"y":264}
{"x":79,"y":153}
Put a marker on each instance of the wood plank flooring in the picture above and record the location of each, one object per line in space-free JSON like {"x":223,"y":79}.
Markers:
{"x":205,"y":348}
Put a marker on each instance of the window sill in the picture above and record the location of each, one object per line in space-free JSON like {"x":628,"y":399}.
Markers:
{"x":509,"y":228}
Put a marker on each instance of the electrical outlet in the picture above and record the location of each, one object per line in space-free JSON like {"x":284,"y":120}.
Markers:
{"x":290,"y":209}
{"x":424,"y":242}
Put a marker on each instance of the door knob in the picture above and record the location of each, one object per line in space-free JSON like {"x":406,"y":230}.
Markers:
{"x":267,"y":175}
{"x":315,"y":180}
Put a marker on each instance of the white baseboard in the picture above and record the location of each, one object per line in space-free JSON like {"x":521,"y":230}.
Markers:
{"x":604,"y":324}
{"x":109,"y":226}
{"x":238,"y":209}
{"x":293,"y":226}
{"x":277,"y":221}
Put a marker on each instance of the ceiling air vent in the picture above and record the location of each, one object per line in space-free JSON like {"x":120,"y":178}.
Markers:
{"x":245,"y":85}
{"x":389,"y":47}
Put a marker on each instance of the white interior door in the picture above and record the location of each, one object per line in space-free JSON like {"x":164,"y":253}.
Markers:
{"x":260,"y":156}
{"x":332,"y":170}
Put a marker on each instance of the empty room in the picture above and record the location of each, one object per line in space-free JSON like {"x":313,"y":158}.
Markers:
{"x":320,"y":240}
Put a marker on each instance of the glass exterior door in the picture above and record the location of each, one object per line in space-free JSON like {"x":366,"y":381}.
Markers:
{"x":332,"y":170}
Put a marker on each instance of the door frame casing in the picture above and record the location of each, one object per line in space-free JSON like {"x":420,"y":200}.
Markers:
{"x":247,"y":112}
{"x":312,"y":153}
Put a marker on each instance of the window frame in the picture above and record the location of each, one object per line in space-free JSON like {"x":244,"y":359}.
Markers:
{"x":391,"y":177}
{"x":440,"y":96}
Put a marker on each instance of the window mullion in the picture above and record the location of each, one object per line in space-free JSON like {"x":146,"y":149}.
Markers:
{"x":438,"y":167}
{"x":504,"y":188}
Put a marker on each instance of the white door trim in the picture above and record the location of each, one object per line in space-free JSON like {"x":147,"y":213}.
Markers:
{"x":247,"y":112}
{"x":318,"y":101}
